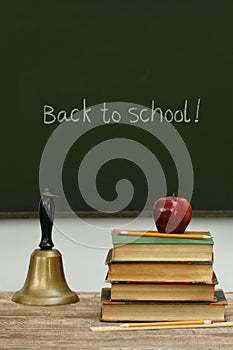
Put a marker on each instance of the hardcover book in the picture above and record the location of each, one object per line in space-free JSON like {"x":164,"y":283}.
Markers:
{"x":135,"y":311}
{"x":163,"y":291}
{"x":159,"y":271}
{"x":128,"y":248}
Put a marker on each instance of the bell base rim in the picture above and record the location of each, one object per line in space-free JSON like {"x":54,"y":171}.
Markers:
{"x":45,"y":301}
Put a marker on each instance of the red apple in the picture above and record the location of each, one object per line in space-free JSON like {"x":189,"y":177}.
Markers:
{"x":172,"y":214}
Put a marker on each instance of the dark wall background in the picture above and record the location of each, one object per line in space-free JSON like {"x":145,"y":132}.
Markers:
{"x":58,"y":52}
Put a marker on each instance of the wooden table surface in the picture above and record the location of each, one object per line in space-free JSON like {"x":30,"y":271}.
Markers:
{"x":67,"y":327}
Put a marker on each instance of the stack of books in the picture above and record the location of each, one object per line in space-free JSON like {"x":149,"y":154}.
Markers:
{"x":161,"y":279}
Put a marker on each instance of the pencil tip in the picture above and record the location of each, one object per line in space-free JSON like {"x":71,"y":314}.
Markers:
{"x":122,"y":232}
{"x":116,"y":230}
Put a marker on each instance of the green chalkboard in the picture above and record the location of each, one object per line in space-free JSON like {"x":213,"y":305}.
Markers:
{"x":56,"y":54}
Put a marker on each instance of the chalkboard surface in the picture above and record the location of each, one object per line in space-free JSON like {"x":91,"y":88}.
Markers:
{"x":60,"y":53}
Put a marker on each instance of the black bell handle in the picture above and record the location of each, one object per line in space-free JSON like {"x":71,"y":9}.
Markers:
{"x":46,"y":214}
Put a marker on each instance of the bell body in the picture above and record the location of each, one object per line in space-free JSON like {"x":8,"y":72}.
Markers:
{"x":45,"y":283}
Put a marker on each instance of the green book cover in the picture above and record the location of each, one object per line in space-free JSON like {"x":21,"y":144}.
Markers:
{"x":128,"y":239}
{"x":109,"y":260}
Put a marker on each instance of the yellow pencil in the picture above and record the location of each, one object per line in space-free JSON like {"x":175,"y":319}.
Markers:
{"x":147,"y":327}
{"x":167,"y":323}
{"x":163,"y":235}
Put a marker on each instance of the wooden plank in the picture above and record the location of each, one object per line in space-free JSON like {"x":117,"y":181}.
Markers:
{"x":67,"y":327}
{"x":120,"y":214}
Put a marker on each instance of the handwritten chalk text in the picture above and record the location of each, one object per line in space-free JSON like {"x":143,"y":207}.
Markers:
{"x":135,"y":114}
{"x":63,"y":116}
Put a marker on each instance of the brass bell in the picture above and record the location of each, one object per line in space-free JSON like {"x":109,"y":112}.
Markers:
{"x":45,"y":283}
